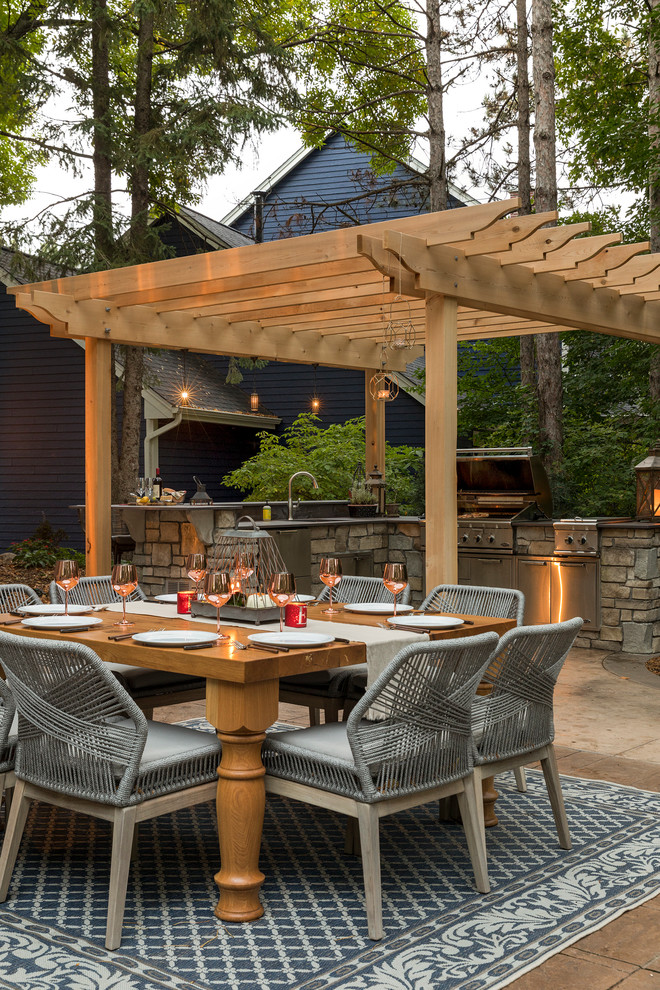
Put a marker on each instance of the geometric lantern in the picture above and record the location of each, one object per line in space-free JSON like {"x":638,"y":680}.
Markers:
{"x":250,"y":556}
{"x":648,"y":485}
{"x":382,"y":387}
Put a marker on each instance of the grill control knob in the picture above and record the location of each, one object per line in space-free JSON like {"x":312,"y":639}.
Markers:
{"x":583,"y":540}
{"x":464,"y":538}
{"x":477,"y":538}
{"x":569,"y":539}
{"x":491,"y":538}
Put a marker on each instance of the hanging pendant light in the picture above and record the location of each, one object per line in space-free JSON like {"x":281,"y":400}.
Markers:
{"x":382,"y":386}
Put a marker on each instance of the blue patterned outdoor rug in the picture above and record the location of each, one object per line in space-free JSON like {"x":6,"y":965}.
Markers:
{"x":440,"y":934}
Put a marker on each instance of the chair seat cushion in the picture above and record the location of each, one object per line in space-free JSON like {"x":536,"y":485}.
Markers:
{"x":331,"y":683}
{"x":169,"y":744}
{"x":320,"y":740}
{"x":144,"y":681}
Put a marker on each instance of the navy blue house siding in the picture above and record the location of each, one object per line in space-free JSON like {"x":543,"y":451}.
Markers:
{"x":42,"y":440}
{"x":334,"y":187}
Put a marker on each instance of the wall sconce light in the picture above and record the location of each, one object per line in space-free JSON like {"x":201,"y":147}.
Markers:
{"x":184,"y":391}
{"x":254,"y":397}
{"x":315,"y":402}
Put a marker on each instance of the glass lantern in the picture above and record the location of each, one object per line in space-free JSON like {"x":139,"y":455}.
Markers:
{"x":648,"y":485}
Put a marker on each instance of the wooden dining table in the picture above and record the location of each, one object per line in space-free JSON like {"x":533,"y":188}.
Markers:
{"x":242,"y":689}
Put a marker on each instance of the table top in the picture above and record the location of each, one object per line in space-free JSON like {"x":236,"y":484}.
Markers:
{"x":220,"y":662}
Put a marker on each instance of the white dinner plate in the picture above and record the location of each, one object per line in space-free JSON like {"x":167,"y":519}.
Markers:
{"x":377,"y":608}
{"x":175,"y":637}
{"x":304,"y":598}
{"x":427,"y":621}
{"x":54,"y":609}
{"x":169,"y":599}
{"x":61,"y":621}
{"x":291,"y":638}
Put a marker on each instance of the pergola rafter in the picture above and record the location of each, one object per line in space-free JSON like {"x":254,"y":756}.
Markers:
{"x":470,"y":273}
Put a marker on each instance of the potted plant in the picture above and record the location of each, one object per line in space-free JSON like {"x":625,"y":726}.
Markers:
{"x":362,"y":501}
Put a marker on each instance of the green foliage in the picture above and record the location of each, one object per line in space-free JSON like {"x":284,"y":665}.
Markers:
{"x":43,"y":553}
{"x":42,"y":549}
{"x":334,"y":455}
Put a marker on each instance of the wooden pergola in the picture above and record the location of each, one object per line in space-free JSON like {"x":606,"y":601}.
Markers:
{"x":327,"y":298}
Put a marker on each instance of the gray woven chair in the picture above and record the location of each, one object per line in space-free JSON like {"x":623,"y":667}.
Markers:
{"x":96,"y":590}
{"x":83,"y":744}
{"x":149,"y":688}
{"x":12,"y":596}
{"x":418,"y":750}
{"x":8,"y":737}
{"x":513,"y":725}
{"x":463,"y":599}
{"x":353,"y":588}
{"x":326,"y":690}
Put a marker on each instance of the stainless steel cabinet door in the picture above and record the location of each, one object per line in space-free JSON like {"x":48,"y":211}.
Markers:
{"x":493,"y":572}
{"x":533,"y":579}
{"x":576,"y":590}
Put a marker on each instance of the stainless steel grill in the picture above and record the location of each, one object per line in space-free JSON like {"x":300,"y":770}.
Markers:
{"x":500,"y":489}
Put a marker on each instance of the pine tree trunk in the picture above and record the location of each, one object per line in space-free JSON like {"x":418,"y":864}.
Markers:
{"x":654,"y":165}
{"x":548,"y":346}
{"x":438,"y":191}
{"x":522,"y":99}
{"x":527,"y":370}
{"x":102,"y":210}
{"x":129,"y":456}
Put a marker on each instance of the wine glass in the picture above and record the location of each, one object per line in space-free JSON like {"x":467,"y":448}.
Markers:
{"x":196,"y":568}
{"x":395,"y":579}
{"x":282,"y":590}
{"x":124,"y":583}
{"x":67,"y":577}
{"x":218,"y":591}
{"x":330,"y":574}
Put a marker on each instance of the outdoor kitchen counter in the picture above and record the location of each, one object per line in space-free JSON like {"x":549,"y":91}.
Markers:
{"x":165,"y":534}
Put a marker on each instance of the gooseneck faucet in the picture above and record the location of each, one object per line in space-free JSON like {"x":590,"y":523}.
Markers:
{"x":296,"y":475}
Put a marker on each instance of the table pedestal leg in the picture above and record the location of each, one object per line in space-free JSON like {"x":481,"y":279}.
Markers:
{"x":490,"y":796}
{"x":241,"y":713}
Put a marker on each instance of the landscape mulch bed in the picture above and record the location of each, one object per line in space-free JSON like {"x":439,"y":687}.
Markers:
{"x":38,"y":578}
{"x":653,"y":665}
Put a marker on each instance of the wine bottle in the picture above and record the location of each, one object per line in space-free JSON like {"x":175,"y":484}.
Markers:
{"x":157,"y":485}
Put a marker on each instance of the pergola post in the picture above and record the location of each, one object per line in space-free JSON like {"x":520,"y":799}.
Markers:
{"x":374,"y":416}
{"x":98,"y":484}
{"x":441,"y":428}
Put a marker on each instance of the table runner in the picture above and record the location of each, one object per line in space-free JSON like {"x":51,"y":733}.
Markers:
{"x":382,"y":645}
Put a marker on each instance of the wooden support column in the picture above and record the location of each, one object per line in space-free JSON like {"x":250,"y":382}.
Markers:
{"x":98,"y":383}
{"x":441,"y":429}
{"x":374,"y":415}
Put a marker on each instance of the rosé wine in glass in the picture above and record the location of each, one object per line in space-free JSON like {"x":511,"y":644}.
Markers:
{"x":395,"y":579}
{"x":330,"y":573}
{"x":218,"y":591}
{"x":196,"y":568}
{"x":282,"y":590}
{"x":124,"y":583}
{"x":66,"y":577}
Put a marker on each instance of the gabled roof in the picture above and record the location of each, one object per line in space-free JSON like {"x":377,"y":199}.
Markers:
{"x":299,"y":156}
{"x":17,"y":268}
{"x":218,"y":234}
{"x":211,"y":398}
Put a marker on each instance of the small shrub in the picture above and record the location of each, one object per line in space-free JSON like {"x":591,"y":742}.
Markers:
{"x":34,"y":553}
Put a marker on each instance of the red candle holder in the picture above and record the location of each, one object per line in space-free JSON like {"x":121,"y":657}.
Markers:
{"x":295,"y":615}
{"x":183,"y":600}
